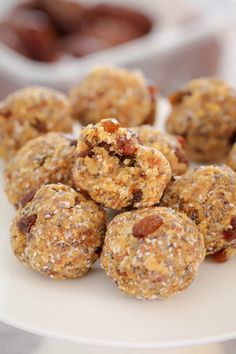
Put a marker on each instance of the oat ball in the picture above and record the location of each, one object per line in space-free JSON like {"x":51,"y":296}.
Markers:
{"x":115,"y":170}
{"x":171,"y":146}
{"x":204,"y":113}
{"x":31,"y":112}
{"x":114,"y":92}
{"x":43,"y":160}
{"x":231,"y":161}
{"x":153,"y":252}
{"x":58,"y":233}
{"x":208,"y":196}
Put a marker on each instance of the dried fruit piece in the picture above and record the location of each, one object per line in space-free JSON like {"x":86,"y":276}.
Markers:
{"x":84,"y":194}
{"x":181,"y":140}
{"x":193,"y":215}
{"x":73,"y":142}
{"x":40,"y":126}
{"x":230,"y":234}
{"x":181,"y":157}
{"x":178,"y":96}
{"x":232,"y":139}
{"x":107,"y":147}
{"x":27,"y":197}
{"x":224,"y":255}
{"x":152,"y":89}
{"x":220,"y":256}
{"x":137,"y":197}
{"x":85,"y":153}
{"x":147,"y":226}
{"x":65,"y":15}
{"x":26,"y":222}
{"x":98,"y":250}
{"x":110,"y":126}
{"x":126,"y":146}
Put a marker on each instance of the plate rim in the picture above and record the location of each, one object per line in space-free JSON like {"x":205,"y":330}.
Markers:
{"x":216,"y":338}
{"x":122,"y":344}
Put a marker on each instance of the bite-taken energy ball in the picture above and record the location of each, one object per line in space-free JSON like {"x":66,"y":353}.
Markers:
{"x":153,"y":252}
{"x":115,"y":170}
{"x":231,"y":161}
{"x":59,"y":233}
{"x":171,"y":146}
{"x":43,"y":160}
{"x":208,"y":196}
{"x":31,"y":112}
{"x":114,"y":92}
{"x":204,"y":113}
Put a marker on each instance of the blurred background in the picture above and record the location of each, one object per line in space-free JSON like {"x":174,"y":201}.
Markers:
{"x":56,"y":42}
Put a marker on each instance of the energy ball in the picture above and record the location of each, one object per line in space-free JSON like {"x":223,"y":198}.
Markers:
{"x":152,"y":253}
{"x":208,"y":196}
{"x":204,"y":113}
{"x":171,"y":146}
{"x":231,"y":161}
{"x":115,"y":170}
{"x":43,"y":160}
{"x":114,"y":92}
{"x":59,"y":233}
{"x":31,"y":112}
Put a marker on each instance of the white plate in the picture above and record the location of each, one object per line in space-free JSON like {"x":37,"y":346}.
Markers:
{"x":91,"y":310}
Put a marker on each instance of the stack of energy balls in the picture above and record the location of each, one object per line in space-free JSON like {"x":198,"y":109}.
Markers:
{"x":169,"y":217}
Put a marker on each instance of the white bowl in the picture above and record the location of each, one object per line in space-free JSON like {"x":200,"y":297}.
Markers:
{"x":184,"y":43}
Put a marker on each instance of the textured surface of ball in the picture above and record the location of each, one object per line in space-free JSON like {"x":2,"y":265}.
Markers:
{"x":31,"y":112}
{"x":204,"y":113}
{"x":114,"y":92}
{"x":59,"y":233}
{"x":208,"y":196}
{"x":153,"y":252}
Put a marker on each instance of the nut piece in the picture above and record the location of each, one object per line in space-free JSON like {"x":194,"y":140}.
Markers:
{"x":181,"y":157}
{"x":146,"y":226}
